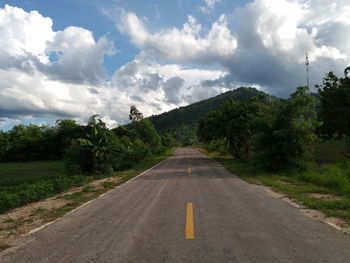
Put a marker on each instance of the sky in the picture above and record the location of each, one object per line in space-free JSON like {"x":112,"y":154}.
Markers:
{"x":75,"y":58}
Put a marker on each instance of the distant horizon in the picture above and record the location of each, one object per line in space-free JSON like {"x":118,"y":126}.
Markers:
{"x":84,"y":122}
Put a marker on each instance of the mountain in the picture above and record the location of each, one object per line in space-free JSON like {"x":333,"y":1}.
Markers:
{"x":191,"y":114}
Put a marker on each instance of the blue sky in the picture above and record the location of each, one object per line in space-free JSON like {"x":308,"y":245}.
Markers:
{"x":75,"y":58}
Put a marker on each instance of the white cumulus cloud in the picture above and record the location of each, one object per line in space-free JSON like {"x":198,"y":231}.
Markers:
{"x":28,"y":43}
{"x":185,"y":45}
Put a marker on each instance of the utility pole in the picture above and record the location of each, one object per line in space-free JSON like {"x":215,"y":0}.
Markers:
{"x":307,"y":71}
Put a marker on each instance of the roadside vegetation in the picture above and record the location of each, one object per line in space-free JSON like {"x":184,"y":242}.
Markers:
{"x":299,"y":146}
{"x":37,"y":162}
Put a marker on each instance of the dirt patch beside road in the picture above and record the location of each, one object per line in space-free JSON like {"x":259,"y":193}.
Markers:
{"x":20,"y":221}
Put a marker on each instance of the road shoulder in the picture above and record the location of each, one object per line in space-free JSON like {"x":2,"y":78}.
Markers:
{"x":278,"y":193}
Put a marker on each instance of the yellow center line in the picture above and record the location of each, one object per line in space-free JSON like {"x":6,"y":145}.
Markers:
{"x":189,"y":170}
{"x":189,"y":222}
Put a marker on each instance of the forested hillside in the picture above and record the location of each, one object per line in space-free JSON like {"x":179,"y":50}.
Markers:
{"x":181,"y":123}
{"x":190,"y":114}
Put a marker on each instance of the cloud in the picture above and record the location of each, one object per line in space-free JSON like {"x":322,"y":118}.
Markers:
{"x":185,"y":45}
{"x":208,"y":6}
{"x":24,"y":33}
{"x":29,"y":44}
{"x":57,"y":74}
{"x":34,"y":83}
{"x":60,"y":74}
{"x":273,"y":37}
{"x":79,"y":57}
{"x":265,"y":45}
{"x":157,"y":87}
{"x":172,"y":87}
{"x":50,"y":74}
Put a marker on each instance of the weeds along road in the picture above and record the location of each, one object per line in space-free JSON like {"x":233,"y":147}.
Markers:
{"x":186,"y":209}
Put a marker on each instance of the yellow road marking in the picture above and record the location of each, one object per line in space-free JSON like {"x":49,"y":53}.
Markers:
{"x":189,"y":170}
{"x":189,"y":222}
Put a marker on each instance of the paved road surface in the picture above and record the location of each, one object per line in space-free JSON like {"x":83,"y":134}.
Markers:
{"x":187,"y":209}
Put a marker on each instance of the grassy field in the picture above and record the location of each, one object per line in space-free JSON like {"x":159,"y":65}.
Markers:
{"x":324,"y":185}
{"x":15,"y":173}
{"x":329,"y":151}
{"x":24,"y":183}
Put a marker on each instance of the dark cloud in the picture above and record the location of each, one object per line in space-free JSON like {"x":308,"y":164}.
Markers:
{"x":137,"y":98}
{"x":172,"y":89}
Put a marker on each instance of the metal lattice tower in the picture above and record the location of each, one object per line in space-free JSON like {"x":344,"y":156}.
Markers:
{"x":307,"y":71}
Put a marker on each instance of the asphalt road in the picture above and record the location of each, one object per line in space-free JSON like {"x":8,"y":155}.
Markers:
{"x":186,"y":209}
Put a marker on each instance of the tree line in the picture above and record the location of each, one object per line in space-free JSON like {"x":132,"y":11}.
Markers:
{"x":86,"y":149}
{"x":278,"y":133}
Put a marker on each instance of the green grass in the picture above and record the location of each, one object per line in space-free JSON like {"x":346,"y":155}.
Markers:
{"x":82,"y":197}
{"x":108,"y":185}
{"x":59,"y":212}
{"x":87,"y":189}
{"x":328,"y":178}
{"x":15,"y":173}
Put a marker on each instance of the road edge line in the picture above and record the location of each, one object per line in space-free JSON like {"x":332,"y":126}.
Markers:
{"x":90,"y":201}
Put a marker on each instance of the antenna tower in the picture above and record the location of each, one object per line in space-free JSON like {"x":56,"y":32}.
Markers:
{"x":307,"y":71}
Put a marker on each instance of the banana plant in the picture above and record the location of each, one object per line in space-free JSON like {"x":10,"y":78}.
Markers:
{"x":97,"y":142}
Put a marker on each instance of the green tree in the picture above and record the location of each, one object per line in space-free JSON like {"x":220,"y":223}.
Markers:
{"x":210,"y":127}
{"x":96,"y":121}
{"x":285,"y":135}
{"x":97,"y":153}
{"x":334,"y":95}
{"x":135,"y":115}
{"x":239,"y":126}
{"x":235,"y":122}
{"x":168,"y":140}
{"x":4,"y":145}
{"x":66,"y":130}
{"x":149,"y":135}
